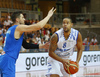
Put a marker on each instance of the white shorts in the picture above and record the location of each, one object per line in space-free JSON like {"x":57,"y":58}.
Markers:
{"x":56,"y":67}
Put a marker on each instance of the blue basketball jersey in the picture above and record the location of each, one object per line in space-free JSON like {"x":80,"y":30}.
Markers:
{"x":11,"y":45}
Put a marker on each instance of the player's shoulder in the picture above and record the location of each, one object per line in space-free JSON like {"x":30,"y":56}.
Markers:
{"x":74,"y":29}
{"x":59,"y":32}
{"x":13,"y":26}
{"x":54,"y":37}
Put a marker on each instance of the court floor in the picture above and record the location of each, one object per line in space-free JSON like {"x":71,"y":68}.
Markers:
{"x":93,"y":71}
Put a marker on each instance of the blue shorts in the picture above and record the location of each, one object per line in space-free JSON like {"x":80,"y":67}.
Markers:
{"x":7,"y":66}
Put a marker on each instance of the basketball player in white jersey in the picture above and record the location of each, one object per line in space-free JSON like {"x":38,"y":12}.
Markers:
{"x":62,"y":45}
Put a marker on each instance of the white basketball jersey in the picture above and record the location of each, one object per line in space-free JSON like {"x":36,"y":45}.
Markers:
{"x":65,"y":47}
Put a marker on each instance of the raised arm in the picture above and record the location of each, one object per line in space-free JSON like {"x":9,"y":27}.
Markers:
{"x":37,"y":26}
{"x":79,"y":47}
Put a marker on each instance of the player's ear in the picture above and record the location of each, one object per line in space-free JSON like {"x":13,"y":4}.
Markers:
{"x":17,"y":20}
{"x":71,"y":24}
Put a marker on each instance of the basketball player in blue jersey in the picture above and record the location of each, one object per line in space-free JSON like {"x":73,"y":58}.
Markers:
{"x":62,"y":45}
{"x":14,"y":41}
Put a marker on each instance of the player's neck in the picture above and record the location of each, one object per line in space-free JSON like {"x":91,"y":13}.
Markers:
{"x":67,"y":33}
{"x":16,"y":23}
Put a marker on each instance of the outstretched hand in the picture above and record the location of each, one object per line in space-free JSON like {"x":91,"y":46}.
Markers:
{"x":44,"y":46}
{"x":50,"y":13}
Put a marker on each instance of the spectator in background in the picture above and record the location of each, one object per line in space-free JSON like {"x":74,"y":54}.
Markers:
{"x":42,"y":33}
{"x":87,"y":43}
{"x":7,"y":22}
{"x":38,"y":39}
{"x":32,"y":21}
{"x":42,"y":42}
{"x":34,"y":39}
{"x":94,"y":41}
{"x":46,"y":36}
{"x":36,"y":21}
{"x":8,"y":16}
{"x":85,"y":40}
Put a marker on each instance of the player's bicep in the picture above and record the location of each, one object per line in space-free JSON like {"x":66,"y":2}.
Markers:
{"x":53,"y":43}
{"x":79,"y":42}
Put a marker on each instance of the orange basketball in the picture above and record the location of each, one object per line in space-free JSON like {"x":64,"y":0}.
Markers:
{"x":72,"y":67}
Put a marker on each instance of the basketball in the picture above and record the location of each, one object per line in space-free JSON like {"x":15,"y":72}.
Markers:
{"x":72,"y":67}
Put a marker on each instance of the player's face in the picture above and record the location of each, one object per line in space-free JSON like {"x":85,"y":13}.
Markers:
{"x":21,"y":19}
{"x":67,"y":25}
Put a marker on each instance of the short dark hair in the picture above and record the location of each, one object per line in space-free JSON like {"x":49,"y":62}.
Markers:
{"x":68,"y":18}
{"x":15,"y":15}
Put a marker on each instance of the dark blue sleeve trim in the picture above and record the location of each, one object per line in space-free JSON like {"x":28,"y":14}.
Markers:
{"x":58,"y":36}
{"x":77,"y":35}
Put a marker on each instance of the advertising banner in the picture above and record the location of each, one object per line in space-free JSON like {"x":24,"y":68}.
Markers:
{"x":38,"y":61}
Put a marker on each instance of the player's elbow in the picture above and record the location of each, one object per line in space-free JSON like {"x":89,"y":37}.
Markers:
{"x":50,"y":54}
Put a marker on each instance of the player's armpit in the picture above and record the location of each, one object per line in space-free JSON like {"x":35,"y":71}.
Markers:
{"x":53,"y":43}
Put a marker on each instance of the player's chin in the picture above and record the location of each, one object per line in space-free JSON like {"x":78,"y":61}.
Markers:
{"x":66,"y":30}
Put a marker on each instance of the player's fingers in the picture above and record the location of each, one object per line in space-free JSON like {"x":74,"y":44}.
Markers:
{"x":47,"y":43}
{"x":66,"y":66}
{"x":54,"y":9}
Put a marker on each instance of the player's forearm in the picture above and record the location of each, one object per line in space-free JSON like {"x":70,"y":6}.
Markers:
{"x":79,"y":54}
{"x":29,"y":45}
{"x":56,"y":57}
{"x":43,"y":22}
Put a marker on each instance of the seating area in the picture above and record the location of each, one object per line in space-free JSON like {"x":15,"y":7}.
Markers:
{"x":16,"y":4}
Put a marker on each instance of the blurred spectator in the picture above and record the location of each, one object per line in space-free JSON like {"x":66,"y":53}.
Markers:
{"x":7,"y":22}
{"x":38,"y":39}
{"x":32,"y":21}
{"x":87,"y":44}
{"x":48,"y":32}
{"x":27,"y":22}
{"x":94,"y":41}
{"x":46,"y":36}
{"x":36,"y":21}
{"x":34,"y":39}
{"x":85,"y":40}
{"x":8,"y":16}
{"x":42,"y":42}
{"x":42,"y":33}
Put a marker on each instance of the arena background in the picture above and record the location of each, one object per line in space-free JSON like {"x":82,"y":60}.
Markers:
{"x":85,"y":15}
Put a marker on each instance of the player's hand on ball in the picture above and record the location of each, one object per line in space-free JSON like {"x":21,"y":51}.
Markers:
{"x":50,"y":13}
{"x":77,"y":64}
{"x":66,"y":63}
{"x":72,"y":67}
